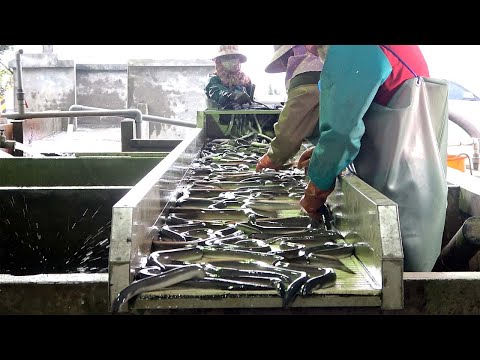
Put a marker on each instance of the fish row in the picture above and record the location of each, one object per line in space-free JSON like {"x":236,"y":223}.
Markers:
{"x":230,"y":228}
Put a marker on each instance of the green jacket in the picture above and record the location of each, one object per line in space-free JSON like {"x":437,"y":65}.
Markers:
{"x":221,"y":94}
{"x":298,"y":119}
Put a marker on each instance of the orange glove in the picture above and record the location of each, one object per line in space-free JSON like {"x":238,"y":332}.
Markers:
{"x":305,"y":158}
{"x":313,"y":199}
{"x":266,"y":162}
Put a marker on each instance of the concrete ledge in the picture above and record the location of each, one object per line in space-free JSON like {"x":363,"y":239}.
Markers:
{"x":441,"y":276}
{"x":42,"y":279}
{"x":173,"y":62}
{"x":42,"y":61}
{"x":442,"y":293}
{"x":101,"y":67}
{"x":54,"y":294}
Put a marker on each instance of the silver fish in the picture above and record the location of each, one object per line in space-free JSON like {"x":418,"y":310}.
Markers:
{"x":156,"y":282}
{"x":323,"y":261}
{"x":233,"y":284}
{"x":322,"y":281}
{"x":297,"y":278}
{"x":338,"y":250}
{"x":225,"y":253}
{"x":161,"y":257}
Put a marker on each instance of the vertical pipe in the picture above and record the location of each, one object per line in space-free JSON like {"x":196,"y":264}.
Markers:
{"x":20,"y":93}
{"x":476,"y":154}
{"x":127,"y":130}
{"x":138,"y":130}
{"x":17,"y":130}
{"x":17,"y":134}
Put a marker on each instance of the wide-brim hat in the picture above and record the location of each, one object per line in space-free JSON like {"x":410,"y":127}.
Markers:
{"x":276,"y":65}
{"x":230,"y":50}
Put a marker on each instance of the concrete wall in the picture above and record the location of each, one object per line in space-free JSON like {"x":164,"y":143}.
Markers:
{"x":169,"y":88}
{"x":104,"y":86}
{"x":54,"y":294}
{"x":49,"y":84}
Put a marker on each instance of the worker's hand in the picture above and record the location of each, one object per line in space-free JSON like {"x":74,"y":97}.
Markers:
{"x":305,"y":158}
{"x":266,"y":162}
{"x":241,"y":97}
{"x":313,"y":199}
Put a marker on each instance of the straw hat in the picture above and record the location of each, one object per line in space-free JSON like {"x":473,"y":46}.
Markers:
{"x":230,"y":50}
{"x":276,"y":65}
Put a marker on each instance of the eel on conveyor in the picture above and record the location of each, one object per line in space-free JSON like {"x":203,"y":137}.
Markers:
{"x":157,"y":282}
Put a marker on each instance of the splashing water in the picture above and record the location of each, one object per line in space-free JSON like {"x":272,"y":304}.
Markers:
{"x":27,"y":247}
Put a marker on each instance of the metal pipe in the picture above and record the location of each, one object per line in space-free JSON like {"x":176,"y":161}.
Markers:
{"x":151,"y":118}
{"x":476,"y":154}
{"x":455,"y":256}
{"x":163,"y":120}
{"x":130,"y":113}
{"x":20,"y":93}
{"x":469,"y":128}
{"x":138,"y":116}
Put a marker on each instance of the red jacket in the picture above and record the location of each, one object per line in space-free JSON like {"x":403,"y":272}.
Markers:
{"x":413,"y":57}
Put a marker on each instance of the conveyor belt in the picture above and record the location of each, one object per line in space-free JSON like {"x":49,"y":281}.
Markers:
{"x":358,"y":209}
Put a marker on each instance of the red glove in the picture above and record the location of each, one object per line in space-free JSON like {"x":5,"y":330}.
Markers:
{"x":266,"y":162}
{"x":313,"y":199}
{"x":305,"y":158}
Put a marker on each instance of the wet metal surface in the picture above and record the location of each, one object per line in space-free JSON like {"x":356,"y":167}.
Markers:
{"x":364,"y":215}
{"x":135,"y":214}
{"x":456,"y":293}
{"x":379,"y":235}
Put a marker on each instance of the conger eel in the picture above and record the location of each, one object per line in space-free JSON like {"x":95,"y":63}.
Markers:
{"x":156,"y":282}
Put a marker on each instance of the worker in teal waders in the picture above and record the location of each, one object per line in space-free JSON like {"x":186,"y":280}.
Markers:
{"x":381,"y":112}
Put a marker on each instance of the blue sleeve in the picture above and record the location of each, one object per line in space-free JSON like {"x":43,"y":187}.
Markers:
{"x":350,"y":80}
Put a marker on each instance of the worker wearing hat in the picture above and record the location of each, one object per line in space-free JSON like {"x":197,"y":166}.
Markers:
{"x":229,"y":87}
{"x":382,"y":113}
{"x":299,"y":117}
